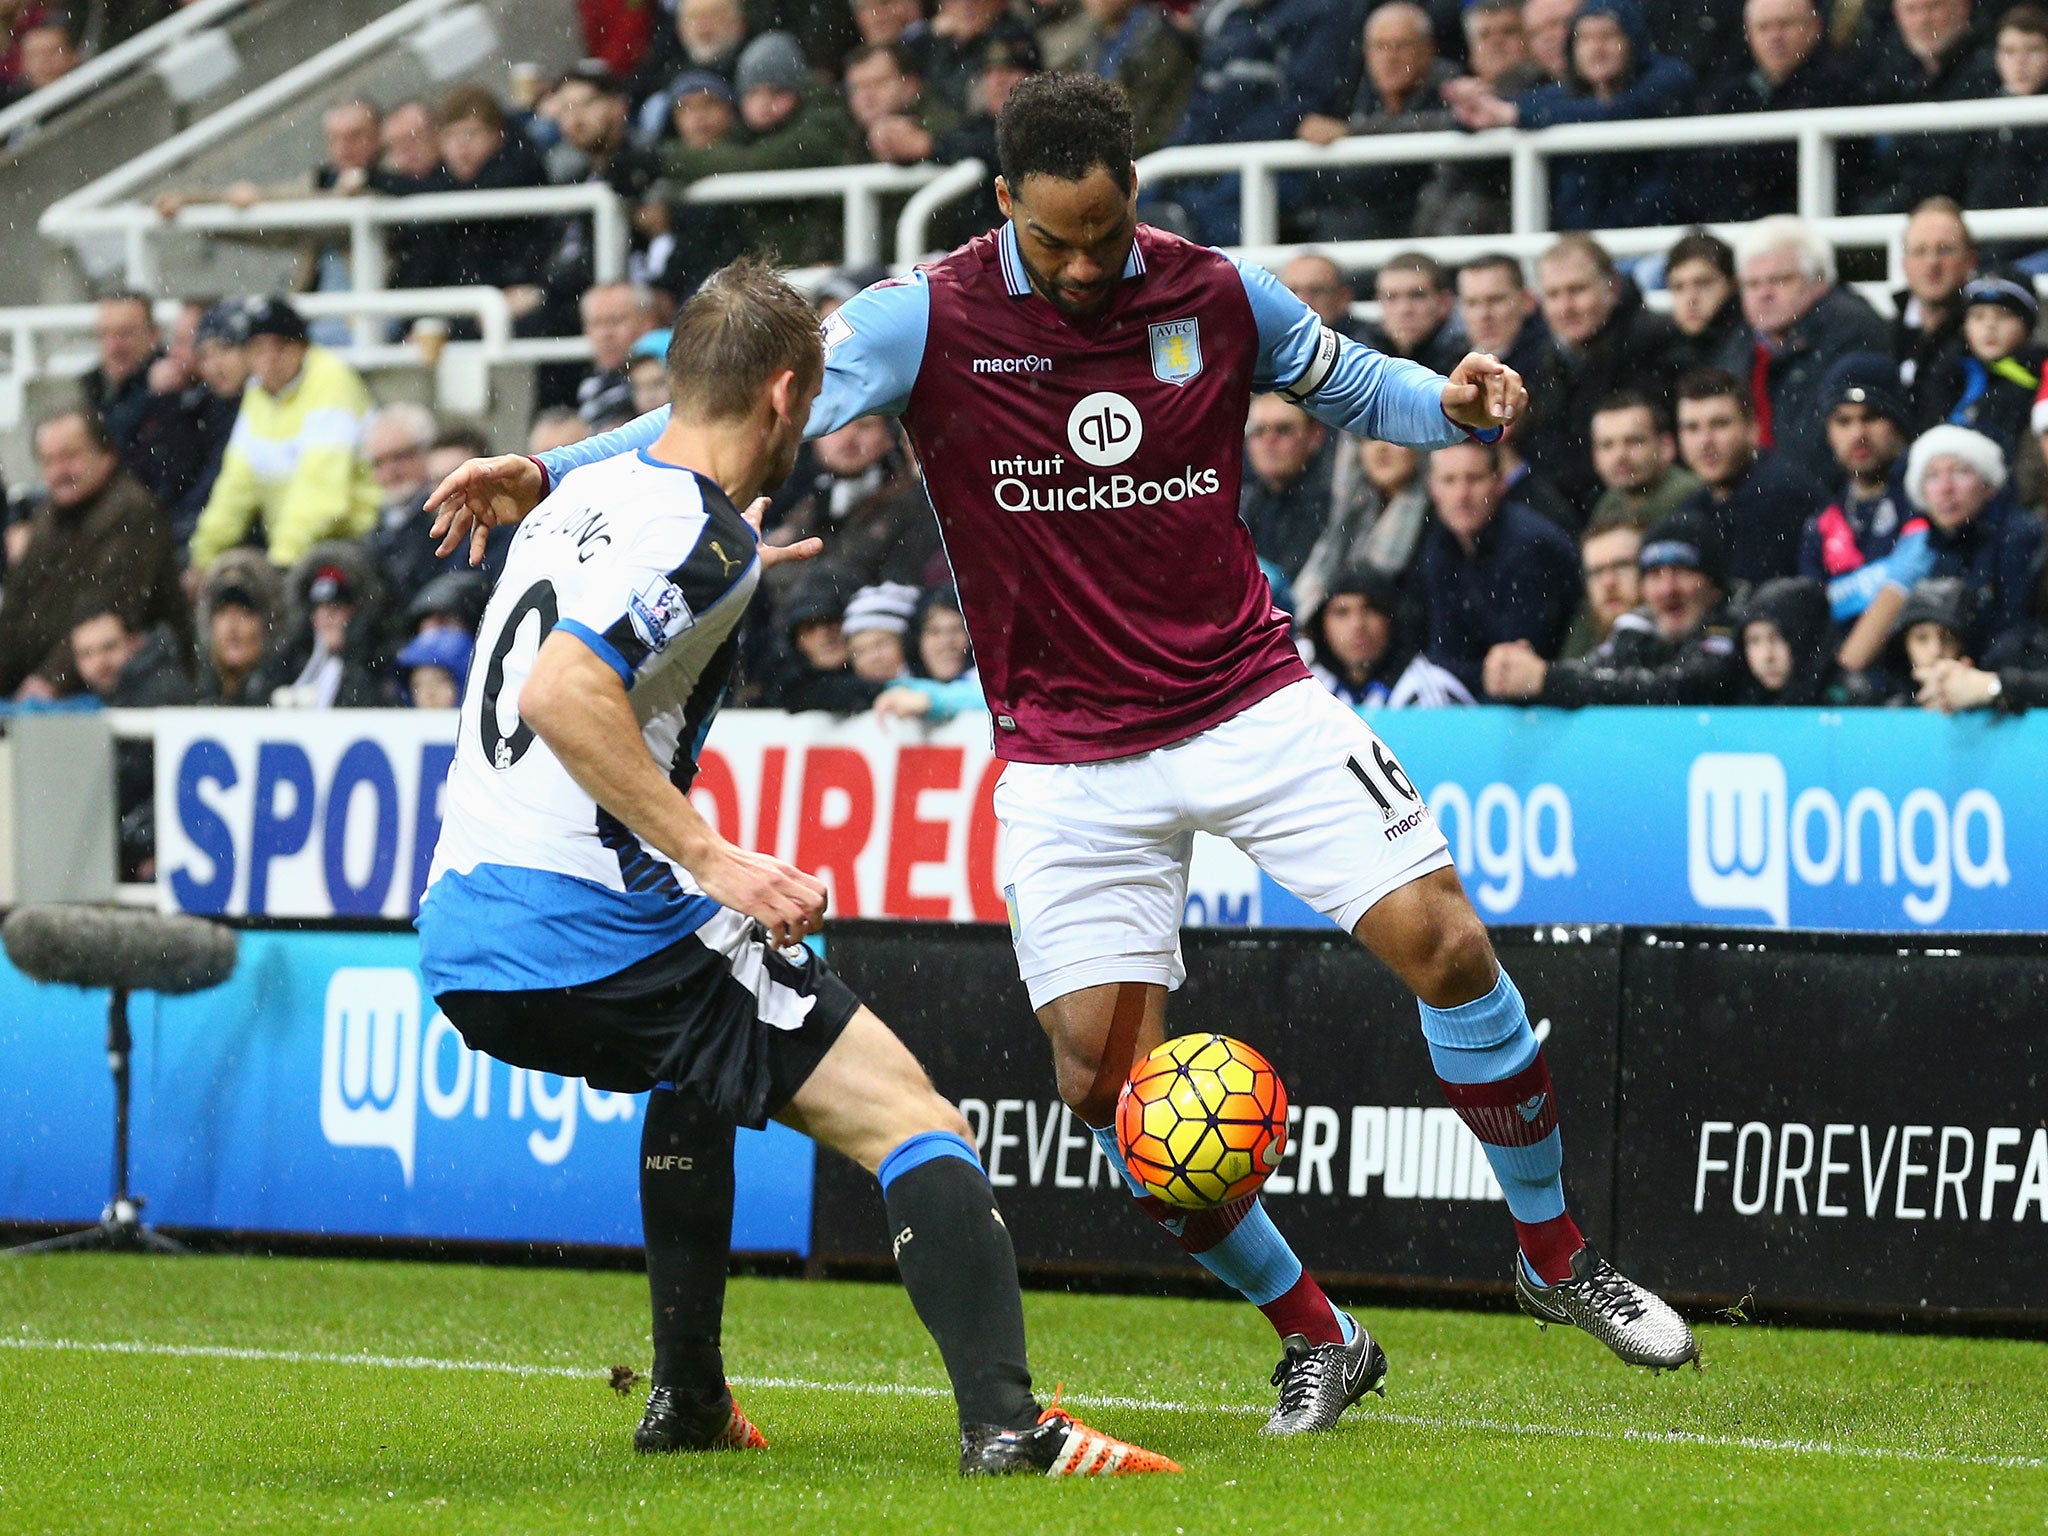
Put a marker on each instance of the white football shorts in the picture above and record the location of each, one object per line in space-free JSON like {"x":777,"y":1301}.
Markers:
{"x":1095,"y":855}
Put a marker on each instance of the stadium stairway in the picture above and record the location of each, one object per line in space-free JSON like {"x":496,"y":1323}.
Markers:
{"x":130,"y":114}
{"x":135,"y":114}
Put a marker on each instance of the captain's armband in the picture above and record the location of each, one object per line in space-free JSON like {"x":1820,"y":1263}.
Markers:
{"x":1318,"y":371}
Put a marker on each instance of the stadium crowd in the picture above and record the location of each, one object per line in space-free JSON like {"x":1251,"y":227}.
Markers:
{"x":1767,"y":494}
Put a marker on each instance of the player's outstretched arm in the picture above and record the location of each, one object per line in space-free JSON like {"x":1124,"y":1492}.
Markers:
{"x":577,"y":704}
{"x":482,"y":494}
{"x":1354,"y":388}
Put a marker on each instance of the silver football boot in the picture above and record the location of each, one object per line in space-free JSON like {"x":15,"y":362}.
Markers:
{"x":1318,"y":1382}
{"x":1599,"y":1299}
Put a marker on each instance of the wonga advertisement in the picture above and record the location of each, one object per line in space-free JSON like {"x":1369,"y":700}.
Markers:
{"x":320,"y":1090}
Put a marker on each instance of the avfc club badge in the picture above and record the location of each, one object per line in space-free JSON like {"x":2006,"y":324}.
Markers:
{"x":1176,"y":350}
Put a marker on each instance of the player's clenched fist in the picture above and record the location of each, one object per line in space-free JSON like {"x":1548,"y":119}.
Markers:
{"x":480,"y":495}
{"x":1484,"y":392}
{"x":780,"y":897}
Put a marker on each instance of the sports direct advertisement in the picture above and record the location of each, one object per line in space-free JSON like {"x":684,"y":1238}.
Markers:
{"x":1883,"y":821}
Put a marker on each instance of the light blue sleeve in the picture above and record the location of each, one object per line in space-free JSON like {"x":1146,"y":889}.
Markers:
{"x":948,"y":699}
{"x":631,"y":438}
{"x":1348,"y":386}
{"x":874,"y":346}
{"x":1911,"y":560}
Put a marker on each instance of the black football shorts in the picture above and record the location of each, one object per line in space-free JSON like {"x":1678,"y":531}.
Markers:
{"x":721,"y":1013}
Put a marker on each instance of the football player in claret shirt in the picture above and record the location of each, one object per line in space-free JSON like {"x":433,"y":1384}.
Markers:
{"x":1076,"y":384}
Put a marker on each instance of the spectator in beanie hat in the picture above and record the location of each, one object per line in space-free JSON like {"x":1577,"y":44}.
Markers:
{"x":814,"y":674}
{"x":1676,"y":649}
{"x":1993,"y":381}
{"x":791,"y":121}
{"x":875,"y":625}
{"x":295,"y":461}
{"x":331,"y":658}
{"x":452,"y":601}
{"x":1938,"y":623}
{"x":433,"y":668}
{"x":1976,"y":530}
{"x":1869,"y":537}
{"x":1354,"y":640}
{"x":943,"y":680}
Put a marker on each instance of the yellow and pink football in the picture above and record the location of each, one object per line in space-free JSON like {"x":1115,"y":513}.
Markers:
{"x":1202,"y":1121}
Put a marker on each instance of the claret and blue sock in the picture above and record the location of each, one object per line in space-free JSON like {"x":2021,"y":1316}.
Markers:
{"x":1492,"y":1072}
{"x":1239,"y":1245}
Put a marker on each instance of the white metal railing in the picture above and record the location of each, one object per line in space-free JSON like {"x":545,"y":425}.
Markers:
{"x":958,"y":180}
{"x":35,"y":337}
{"x":1816,"y":132}
{"x":860,"y":189}
{"x":137,"y":52}
{"x":292,"y":88}
{"x":367,"y":218}
{"x":1864,"y":230}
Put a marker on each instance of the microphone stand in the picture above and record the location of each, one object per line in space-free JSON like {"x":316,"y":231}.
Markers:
{"x":121,"y":1227}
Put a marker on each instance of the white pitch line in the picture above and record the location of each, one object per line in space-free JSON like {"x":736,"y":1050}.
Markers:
{"x":296,"y":1357}
{"x":1436,"y":1422}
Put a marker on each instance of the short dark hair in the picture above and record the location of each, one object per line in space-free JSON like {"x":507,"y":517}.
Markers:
{"x":1713,"y":384}
{"x":1064,"y":126}
{"x":742,"y":328}
{"x":1581,"y":245}
{"x":130,"y":296}
{"x":895,"y":53}
{"x":1634,"y":400}
{"x":1497,"y":261}
{"x":467,"y":101}
{"x":95,"y":425}
{"x":2025,"y":18}
{"x":1488,"y":7}
{"x":1492,"y":450}
{"x":1428,"y":267}
{"x":470,"y":439}
{"x":100,"y":606}
{"x":1697,"y":245}
{"x":1613,"y":520}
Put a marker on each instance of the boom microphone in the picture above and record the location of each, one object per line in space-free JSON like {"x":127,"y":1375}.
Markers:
{"x":85,"y":946}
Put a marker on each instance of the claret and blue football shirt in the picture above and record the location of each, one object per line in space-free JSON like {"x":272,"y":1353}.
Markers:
{"x":1086,"y":473}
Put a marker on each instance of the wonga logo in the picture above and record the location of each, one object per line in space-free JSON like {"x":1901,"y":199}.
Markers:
{"x":1745,"y":840}
{"x":1735,"y":833}
{"x":370,"y":1060}
{"x":1105,"y":429}
{"x":378,"y":1064}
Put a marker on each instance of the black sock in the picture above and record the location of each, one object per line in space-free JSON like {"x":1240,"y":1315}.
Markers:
{"x":686,"y":1217}
{"x":961,"y":1272}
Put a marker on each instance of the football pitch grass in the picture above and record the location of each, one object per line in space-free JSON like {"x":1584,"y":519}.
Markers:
{"x":240,"y":1394}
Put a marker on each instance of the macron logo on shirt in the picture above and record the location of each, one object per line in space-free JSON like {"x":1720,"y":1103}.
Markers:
{"x":1026,"y":364}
